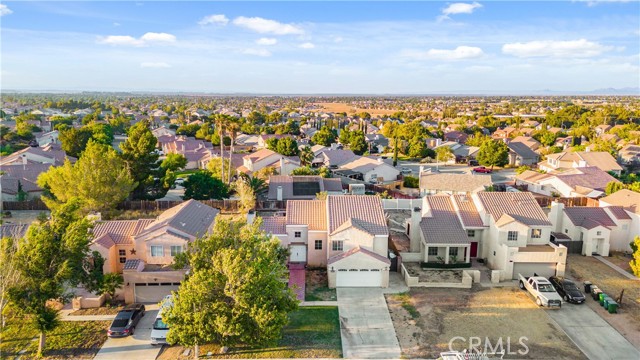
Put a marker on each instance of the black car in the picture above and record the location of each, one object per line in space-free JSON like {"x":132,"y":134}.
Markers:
{"x":567,"y":289}
{"x":126,"y":320}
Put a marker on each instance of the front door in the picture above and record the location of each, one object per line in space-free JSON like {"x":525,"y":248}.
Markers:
{"x":298,"y":253}
{"x":474,"y":249}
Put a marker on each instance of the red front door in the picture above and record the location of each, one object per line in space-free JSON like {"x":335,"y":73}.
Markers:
{"x":474,"y":249}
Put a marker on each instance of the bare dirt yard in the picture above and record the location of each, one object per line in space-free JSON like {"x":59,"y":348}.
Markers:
{"x":432,"y":275}
{"x":316,"y":286}
{"x":627,"y":320}
{"x":343,"y":107}
{"x":427,"y":319}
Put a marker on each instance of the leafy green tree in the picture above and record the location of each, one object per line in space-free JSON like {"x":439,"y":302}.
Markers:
{"x":477,"y":139}
{"x":444,"y":154}
{"x":236,"y":292}
{"x":306,"y":156}
{"x":201,"y":185}
{"x":286,"y":146}
{"x":101,"y":133}
{"x":246,"y":194}
{"x":635,"y":262}
{"x":174,"y":162}
{"x":345,"y":136}
{"x":120,"y":124}
{"x":324,"y":137}
{"x":493,"y":153}
{"x":188,"y":130}
{"x":522,"y":169}
{"x":613,"y":186}
{"x":306,"y":170}
{"x":47,"y":261}
{"x":9,"y":274}
{"x":99,"y":180}
{"x":111,"y":282}
{"x":411,"y":182}
{"x":358,"y":144}
{"x":138,"y":152}
{"x":73,"y":141}
{"x":214,"y":166}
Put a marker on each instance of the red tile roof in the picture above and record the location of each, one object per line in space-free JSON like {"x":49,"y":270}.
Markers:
{"x":443,"y":225}
{"x":307,"y":212}
{"x":521,"y":206}
{"x":356,"y":250}
{"x":467,"y":210}
{"x":364,"y":208}
{"x":589,"y":217}
{"x":274,"y":225}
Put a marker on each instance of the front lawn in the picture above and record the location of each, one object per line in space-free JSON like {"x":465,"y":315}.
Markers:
{"x":70,"y":340}
{"x":312,"y":332}
{"x":316,"y":286}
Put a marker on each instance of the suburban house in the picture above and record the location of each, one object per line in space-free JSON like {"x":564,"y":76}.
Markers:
{"x":24,"y":178}
{"x":567,"y":160}
{"x":50,"y":137}
{"x":529,"y":141}
{"x":629,"y":154}
{"x":629,"y":202}
{"x":266,"y":158}
{"x":143,"y":250}
{"x":521,"y":154}
{"x":348,"y":234}
{"x":285,"y":187}
{"x":368,"y":169}
{"x":432,"y":183}
{"x":376,"y":141}
{"x":509,"y":231}
{"x":588,"y":182}
{"x":49,"y":154}
{"x":246,"y":142}
{"x":333,"y":158}
{"x":194,"y":150}
{"x":456,"y":136}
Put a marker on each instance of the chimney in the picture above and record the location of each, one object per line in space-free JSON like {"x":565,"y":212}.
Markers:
{"x":414,"y":230}
{"x":282,"y":172}
{"x":24,"y":159}
{"x":555,"y":216}
{"x":279,"y":193}
{"x":183,"y":148}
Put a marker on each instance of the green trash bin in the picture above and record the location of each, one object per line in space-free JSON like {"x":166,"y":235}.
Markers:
{"x":613,"y":307}
{"x":601,"y":297}
{"x":607,"y":300}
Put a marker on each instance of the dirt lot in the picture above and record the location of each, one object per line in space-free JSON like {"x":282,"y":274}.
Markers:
{"x":436,"y":276}
{"x":627,"y":321}
{"x":342,"y":107}
{"x":621,"y":260}
{"x":489,"y":314}
{"x":104,"y":310}
{"x":316,"y":288}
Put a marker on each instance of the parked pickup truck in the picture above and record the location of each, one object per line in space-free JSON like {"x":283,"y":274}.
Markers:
{"x":542,"y":290}
{"x":483,"y":170}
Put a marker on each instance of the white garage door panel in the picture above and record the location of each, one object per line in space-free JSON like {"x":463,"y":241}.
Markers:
{"x":528,"y":269}
{"x":298,"y":253}
{"x":153,"y":294}
{"x":359,"y":278}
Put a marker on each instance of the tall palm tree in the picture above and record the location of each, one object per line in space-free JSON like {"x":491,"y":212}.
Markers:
{"x":233,"y":127}
{"x":259,"y":186}
{"x":221,"y":121}
{"x":306,"y":156}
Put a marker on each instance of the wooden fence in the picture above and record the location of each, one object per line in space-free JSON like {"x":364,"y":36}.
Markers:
{"x":545,"y":201}
{"x":34,"y":204}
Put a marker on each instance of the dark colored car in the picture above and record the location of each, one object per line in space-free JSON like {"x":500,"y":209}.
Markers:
{"x":482,"y":169}
{"x":126,"y":320}
{"x":567,"y":289}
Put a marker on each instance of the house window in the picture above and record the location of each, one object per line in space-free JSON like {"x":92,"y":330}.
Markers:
{"x":318,"y":244}
{"x":176,"y":249}
{"x":512,"y":236}
{"x":598,"y":232}
{"x":297,"y":234}
{"x":337,"y":245}
{"x":433,"y":251}
{"x":122,"y":252}
{"x":536,"y":233}
{"x":453,"y":251}
{"x":471,"y":233}
{"x":157,"y":251}
{"x":123,"y":260}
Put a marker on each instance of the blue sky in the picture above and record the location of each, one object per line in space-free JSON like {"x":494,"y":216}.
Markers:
{"x":320,"y":47}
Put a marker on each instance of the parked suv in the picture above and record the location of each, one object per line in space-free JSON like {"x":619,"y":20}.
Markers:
{"x":126,"y":320}
{"x":567,"y":289}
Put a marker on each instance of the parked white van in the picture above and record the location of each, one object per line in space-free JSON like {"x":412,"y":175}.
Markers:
{"x":160,"y":329}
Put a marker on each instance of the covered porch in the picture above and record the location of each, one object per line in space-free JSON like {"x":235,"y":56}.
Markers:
{"x":446,"y":253}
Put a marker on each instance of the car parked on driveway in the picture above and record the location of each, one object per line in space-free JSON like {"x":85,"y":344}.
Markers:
{"x":567,"y":289}
{"x":482,"y":169}
{"x":541,"y":289}
{"x":126,"y":320}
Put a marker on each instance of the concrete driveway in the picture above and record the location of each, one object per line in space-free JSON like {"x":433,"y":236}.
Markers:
{"x":136,"y":347}
{"x":593,"y":336}
{"x":365,"y":325}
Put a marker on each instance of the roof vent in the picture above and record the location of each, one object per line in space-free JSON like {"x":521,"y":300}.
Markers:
{"x":183,"y":224}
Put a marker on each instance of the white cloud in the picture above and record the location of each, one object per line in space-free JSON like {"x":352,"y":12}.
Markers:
{"x":459,"y":53}
{"x":155,"y":65}
{"x":116,"y":24}
{"x":562,"y":49}
{"x":266,"y":26}
{"x":267,"y":41}
{"x":217,"y":19}
{"x":597,"y":2}
{"x":4,"y":10}
{"x":338,"y":39}
{"x":257,"y":52}
{"x":307,"y":45}
{"x":146,"y":39}
{"x":460,"y":8}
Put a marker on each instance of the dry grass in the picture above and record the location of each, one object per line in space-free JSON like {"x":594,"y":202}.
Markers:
{"x":104,"y":310}
{"x":316,"y":286}
{"x":627,"y":321}
{"x":489,"y":314}
{"x":350,"y":110}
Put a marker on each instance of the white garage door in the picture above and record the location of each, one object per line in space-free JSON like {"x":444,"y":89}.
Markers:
{"x":153,"y":292}
{"x":358,"y":278}
{"x":528,"y":269}
{"x":298,"y":253}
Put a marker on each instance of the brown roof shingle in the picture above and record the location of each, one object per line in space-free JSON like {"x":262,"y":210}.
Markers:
{"x":307,"y":212}
{"x":364,"y":208}
{"x":521,"y":206}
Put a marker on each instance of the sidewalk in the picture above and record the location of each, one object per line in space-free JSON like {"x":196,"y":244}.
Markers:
{"x":616,"y":268}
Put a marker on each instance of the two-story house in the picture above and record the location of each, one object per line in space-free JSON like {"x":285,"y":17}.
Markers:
{"x":348,"y":234}
{"x":567,"y":160}
{"x":143,"y":250}
{"x":625,"y":206}
{"x":266,"y":158}
{"x":286,"y":187}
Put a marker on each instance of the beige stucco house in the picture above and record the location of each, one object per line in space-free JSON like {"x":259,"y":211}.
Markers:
{"x":348,"y":234}
{"x":143,"y":250}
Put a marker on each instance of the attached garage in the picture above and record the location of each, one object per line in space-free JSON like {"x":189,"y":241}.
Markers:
{"x":298,"y":253}
{"x":358,"y":278}
{"x":529,"y":269}
{"x":153,"y":292}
